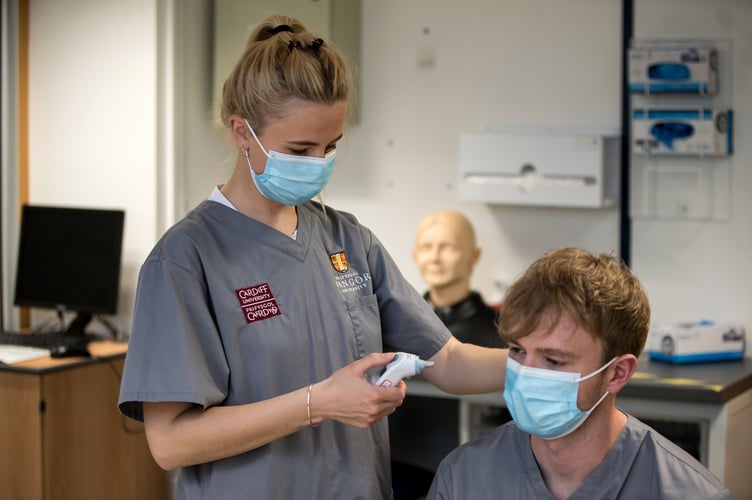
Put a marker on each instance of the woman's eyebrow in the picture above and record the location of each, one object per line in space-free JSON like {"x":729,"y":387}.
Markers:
{"x":311,"y":143}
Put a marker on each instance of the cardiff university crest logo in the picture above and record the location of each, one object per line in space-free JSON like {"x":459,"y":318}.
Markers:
{"x":339,"y":261}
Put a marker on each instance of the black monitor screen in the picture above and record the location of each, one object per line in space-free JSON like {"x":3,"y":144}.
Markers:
{"x":69,"y":259}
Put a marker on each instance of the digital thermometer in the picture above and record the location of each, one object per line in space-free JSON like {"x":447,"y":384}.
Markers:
{"x":404,"y":365}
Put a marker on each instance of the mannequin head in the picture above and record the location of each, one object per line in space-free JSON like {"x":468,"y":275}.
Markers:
{"x":445,"y":253}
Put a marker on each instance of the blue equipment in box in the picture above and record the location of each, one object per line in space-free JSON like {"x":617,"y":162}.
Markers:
{"x":671,"y":70}
{"x":682,"y":131}
{"x":696,"y":342}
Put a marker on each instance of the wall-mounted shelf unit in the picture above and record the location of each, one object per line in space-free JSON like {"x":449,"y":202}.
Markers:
{"x":541,"y":166}
{"x":681,"y":129}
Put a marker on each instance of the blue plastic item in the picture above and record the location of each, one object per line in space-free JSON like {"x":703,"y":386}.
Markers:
{"x":668,"y":71}
{"x":668,"y":132}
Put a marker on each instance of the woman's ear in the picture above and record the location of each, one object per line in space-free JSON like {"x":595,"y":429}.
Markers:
{"x":241,"y":136}
{"x":621,"y":372}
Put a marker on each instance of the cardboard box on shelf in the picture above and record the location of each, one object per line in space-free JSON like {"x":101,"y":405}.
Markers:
{"x":673,"y":70}
{"x":682,"y":131}
{"x":696,"y":342}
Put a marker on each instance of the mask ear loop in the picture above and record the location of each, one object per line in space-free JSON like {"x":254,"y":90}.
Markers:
{"x":255,"y":137}
{"x":593,"y":375}
{"x":598,"y":402}
{"x":596,"y":372}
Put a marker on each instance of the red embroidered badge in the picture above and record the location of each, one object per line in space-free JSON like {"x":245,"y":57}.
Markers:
{"x":257,"y":302}
{"x":339,"y":261}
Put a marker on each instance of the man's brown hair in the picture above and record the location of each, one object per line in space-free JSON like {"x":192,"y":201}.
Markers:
{"x":599,"y":292}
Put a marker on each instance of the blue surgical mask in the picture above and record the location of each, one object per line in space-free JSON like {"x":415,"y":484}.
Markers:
{"x":291,"y":179}
{"x":544,"y":402}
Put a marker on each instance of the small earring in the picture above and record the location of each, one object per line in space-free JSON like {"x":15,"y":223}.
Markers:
{"x":245,"y":153}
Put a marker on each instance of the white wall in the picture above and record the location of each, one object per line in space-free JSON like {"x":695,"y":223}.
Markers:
{"x":492,"y":66}
{"x":93,"y":117}
{"x":698,"y":269}
{"x":505,"y":63}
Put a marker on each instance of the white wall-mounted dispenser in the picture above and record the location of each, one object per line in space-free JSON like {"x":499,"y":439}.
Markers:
{"x":541,"y":166}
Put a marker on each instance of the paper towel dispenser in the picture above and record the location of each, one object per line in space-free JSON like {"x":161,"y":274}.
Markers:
{"x":541,"y":167}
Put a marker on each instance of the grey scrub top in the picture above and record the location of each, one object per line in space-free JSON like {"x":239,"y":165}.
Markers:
{"x":230,"y":311}
{"x":641,"y":465}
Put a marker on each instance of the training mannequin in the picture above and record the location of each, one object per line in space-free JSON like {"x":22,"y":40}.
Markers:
{"x":446,"y":252}
{"x":424,"y":430}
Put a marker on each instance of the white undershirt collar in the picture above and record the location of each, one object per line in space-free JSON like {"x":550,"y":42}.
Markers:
{"x":219,"y":197}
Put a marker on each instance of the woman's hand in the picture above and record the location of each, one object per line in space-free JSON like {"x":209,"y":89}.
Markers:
{"x":348,"y":396}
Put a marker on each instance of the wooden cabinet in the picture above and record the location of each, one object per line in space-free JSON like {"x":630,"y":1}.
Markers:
{"x":63,"y":437}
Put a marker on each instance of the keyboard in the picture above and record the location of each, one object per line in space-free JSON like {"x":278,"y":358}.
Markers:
{"x":16,"y":347}
{"x":10,"y":354}
{"x":44,"y":340}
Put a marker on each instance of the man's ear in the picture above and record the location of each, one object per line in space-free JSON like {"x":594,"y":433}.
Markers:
{"x":241,"y":136}
{"x":621,"y":372}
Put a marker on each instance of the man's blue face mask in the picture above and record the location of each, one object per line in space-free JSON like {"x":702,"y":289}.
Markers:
{"x":544,"y":402}
{"x":291,"y":179}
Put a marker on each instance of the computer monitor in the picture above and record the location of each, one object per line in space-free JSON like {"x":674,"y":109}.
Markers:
{"x":69,"y":260}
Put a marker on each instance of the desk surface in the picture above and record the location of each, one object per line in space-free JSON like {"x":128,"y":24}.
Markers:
{"x":716,"y":382}
{"x":105,"y":349}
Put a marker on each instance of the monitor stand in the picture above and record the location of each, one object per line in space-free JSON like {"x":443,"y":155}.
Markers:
{"x":77,"y":327}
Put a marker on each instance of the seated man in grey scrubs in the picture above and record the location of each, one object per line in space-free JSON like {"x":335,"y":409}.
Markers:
{"x":575,"y":324}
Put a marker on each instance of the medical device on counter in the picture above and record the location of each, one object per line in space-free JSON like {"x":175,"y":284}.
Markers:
{"x":696,"y":342}
{"x":404,"y":365}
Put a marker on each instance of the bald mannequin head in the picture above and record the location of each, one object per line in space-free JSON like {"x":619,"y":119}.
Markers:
{"x":446,"y":252}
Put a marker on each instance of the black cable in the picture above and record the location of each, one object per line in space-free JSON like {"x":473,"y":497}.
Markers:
{"x":111,"y":329}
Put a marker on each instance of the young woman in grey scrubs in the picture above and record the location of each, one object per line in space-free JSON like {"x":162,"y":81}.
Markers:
{"x":259,"y":316}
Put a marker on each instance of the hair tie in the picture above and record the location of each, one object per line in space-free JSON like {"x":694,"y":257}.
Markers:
{"x":316,"y":44}
{"x":294,"y":44}
{"x":281,"y":28}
